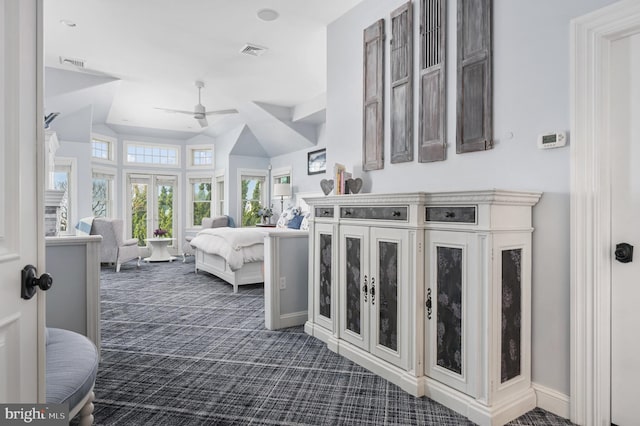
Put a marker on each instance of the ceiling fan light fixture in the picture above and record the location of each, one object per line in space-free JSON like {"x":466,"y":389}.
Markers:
{"x":267,"y":15}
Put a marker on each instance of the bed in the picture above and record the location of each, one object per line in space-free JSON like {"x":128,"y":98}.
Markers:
{"x":234,"y":254}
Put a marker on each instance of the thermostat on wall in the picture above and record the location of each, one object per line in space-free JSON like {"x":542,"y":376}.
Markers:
{"x":552,"y":140}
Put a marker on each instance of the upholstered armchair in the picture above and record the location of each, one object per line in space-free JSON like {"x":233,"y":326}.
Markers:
{"x":114,"y":248}
{"x":207,"y":222}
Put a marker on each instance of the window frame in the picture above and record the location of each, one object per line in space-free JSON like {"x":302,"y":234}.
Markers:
{"x":276,"y":175}
{"x":264,"y":197}
{"x":220,"y":198}
{"x":113,"y":147}
{"x":72,"y":192}
{"x":192,"y":178}
{"x":128,"y":143}
{"x":152,"y":176}
{"x":190,"y":160}
{"x":111,"y":195}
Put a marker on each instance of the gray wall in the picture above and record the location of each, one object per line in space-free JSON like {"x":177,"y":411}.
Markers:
{"x":531,"y":96}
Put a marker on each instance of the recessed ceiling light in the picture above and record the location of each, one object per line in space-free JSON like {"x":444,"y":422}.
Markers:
{"x":68,"y":23}
{"x":268,"y":15}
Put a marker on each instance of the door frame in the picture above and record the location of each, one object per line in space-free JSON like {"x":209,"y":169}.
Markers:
{"x":591,"y":242}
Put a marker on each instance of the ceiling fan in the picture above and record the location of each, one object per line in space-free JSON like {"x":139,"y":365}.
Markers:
{"x":199,"y":111}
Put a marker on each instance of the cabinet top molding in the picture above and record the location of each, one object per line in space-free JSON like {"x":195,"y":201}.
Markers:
{"x":492,"y":196}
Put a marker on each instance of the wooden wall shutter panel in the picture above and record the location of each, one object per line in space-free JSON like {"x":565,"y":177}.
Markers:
{"x":373,"y":114}
{"x":475,"y":88}
{"x":433,"y":90}
{"x":402,"y":84}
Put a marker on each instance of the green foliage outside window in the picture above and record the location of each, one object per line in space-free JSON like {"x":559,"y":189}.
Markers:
{"x":250,"y":205}
{"x":139,"y":212}
{"x":165,"y":209}
{"x":201,"y":202}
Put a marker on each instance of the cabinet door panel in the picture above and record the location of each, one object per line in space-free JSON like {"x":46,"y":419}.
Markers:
{"x":354,"y":276}
{"x":450,"y":260}
{"x":449,"y":308}
{"x":324,"y":276}
{"x":354,"y":281}
{"x":387,"y":290}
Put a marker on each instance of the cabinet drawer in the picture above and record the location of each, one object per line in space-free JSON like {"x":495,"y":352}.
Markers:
{"x":375,"y":213}
{"x":458,"y":214}
{"x":324,"y":211}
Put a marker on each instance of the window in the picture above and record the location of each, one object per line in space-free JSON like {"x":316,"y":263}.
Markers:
{"x":151,"y":205}
{"x":200,"y":199}
{"x":103,"y":148}
{"x":102,"y":193}
{"x":252,"y":197}
{"x":280,"y":176}
{"x":162,"y":155}
{"x":64,"y":180}
{"x":200,"y":156}
{"x":220,"y":195}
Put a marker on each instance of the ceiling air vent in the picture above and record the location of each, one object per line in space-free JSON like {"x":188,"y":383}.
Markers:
{"x":72,"y":61}
{"x":253,"y":49}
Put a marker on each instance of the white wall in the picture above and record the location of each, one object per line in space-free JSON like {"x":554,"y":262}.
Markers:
{"x":301,"y":181}
{"x":531,"y":96}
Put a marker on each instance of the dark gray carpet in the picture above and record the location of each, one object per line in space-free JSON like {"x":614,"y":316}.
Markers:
{"x":182,"y":349}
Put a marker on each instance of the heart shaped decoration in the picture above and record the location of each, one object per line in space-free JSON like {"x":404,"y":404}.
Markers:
{"x":355,"y":185}
{"x":326,"y":185}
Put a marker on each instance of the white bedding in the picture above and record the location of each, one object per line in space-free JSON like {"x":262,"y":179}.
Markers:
{"x":236,"y":245}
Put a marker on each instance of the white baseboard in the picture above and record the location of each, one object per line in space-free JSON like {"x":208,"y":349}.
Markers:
{"x":552,"y":401}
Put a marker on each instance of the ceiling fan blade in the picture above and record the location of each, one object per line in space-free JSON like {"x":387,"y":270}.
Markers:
{"x":223,"y":111}
{"x":175,"y":111}
{"x":203,"y":122}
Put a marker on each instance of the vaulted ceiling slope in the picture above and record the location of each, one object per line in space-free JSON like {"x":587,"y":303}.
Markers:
{"x":125,"y":59}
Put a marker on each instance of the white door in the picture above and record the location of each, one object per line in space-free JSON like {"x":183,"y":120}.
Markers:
{"x":21,"y":321}
{"x":625,"y":228}
{"x":354,"y":282}
{"x":152,"y":202}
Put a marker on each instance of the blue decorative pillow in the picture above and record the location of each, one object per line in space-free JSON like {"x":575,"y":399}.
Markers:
{"x":295,"y":222}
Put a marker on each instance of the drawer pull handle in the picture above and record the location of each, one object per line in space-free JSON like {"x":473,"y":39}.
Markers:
{"x":395,"y":213}
{"x":347,"y":212}
{"x":373,"y":291}
{"x":364,"y":288}
{"x":449,"y":214}
{"x":325,"y":212}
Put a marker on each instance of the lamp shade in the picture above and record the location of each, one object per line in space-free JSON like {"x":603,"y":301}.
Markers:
{"x":281,"y":190}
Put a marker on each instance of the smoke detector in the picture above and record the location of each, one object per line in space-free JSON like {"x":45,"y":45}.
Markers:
{"x":79,"y":63}
{"x":253,"y":49}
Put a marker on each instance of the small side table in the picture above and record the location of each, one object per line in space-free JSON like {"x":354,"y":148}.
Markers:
{"x":159,"y":250}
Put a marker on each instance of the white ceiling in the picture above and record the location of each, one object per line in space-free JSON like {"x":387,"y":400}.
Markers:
{"x":159,"y":48}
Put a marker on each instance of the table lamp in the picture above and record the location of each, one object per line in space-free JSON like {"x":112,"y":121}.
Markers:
{"x":282,"y":190}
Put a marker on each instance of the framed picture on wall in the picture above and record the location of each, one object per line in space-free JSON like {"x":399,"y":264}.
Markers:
{"x":317,"y":162}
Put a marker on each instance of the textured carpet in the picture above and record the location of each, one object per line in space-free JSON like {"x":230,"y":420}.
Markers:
{"x":182,"y":349}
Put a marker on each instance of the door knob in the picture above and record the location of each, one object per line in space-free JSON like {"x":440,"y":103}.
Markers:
{"x":30,"y":282}
{"x":624,"y":252}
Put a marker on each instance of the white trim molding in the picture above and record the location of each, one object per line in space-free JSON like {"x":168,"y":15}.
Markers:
{"x":591,"y":39}
{"x":551,"y":400}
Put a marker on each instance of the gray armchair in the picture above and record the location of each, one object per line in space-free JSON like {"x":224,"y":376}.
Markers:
{"x":207,"y":222}
{"x":114,"y":248}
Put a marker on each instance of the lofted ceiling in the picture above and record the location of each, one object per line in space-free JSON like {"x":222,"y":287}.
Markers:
{"x":146,"y":54}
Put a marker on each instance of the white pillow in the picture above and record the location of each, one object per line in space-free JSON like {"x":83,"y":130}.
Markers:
{"x":284,"y":218}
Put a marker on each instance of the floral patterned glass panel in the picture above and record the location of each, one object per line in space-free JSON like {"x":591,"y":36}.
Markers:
{"x":449,"y":281}
{"x":511,"y":313}
{"x":387,"y":288}
{"x":325,"y":275}
{"x":353,"y":280}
